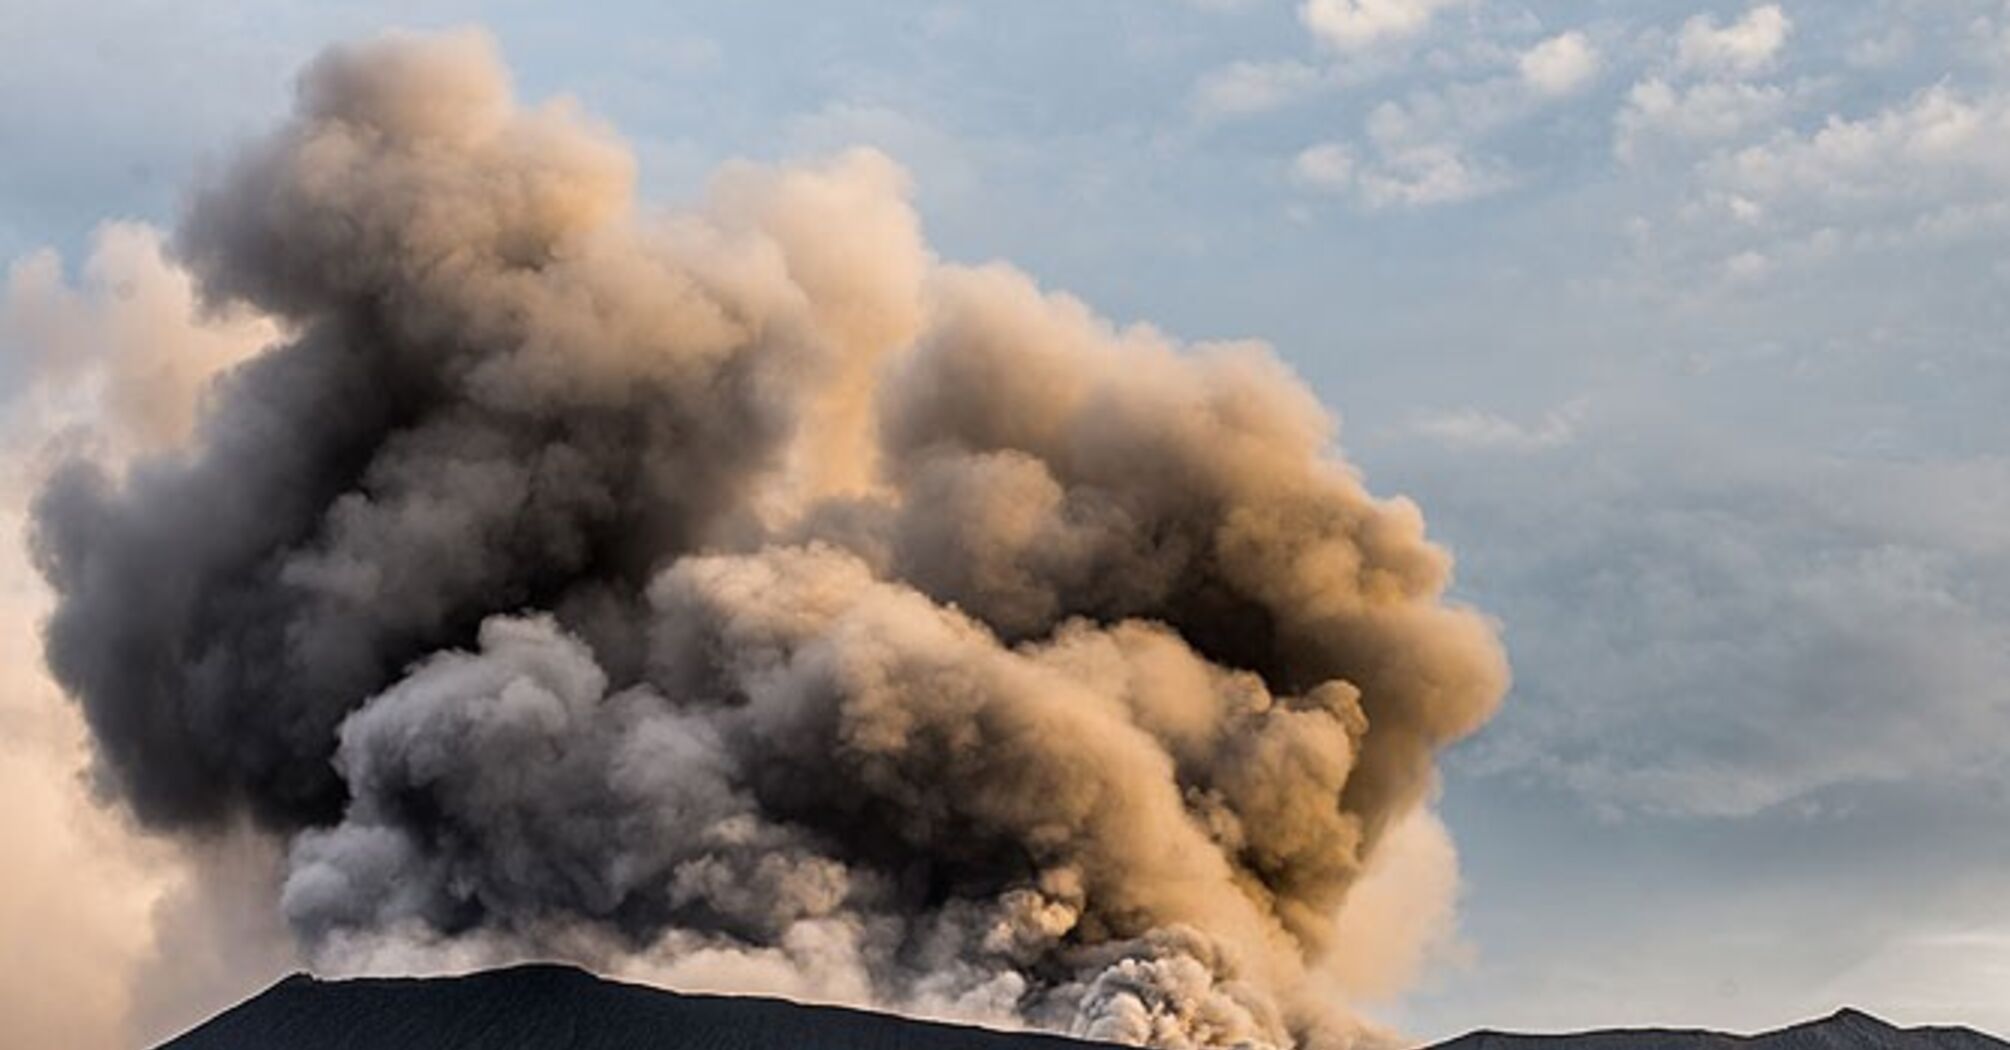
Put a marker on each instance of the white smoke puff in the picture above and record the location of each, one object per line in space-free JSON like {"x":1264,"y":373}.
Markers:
{"x":817,"y":960}
{"x":744,"y":598}
{"x":1166,"y":991}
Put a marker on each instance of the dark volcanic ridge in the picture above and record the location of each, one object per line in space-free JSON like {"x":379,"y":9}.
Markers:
{"x":550,"y":1007}
{"x":1843,"y":1030}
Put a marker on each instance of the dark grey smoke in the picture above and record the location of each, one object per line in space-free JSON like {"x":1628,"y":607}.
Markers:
{"x":747,"y":589}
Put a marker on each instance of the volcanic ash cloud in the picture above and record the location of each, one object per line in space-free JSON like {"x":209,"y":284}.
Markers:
{"x":745,"y":597}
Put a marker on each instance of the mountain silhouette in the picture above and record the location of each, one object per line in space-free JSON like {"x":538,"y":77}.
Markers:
{"x":548,"y":1007}
{"x":1842,"y":1030}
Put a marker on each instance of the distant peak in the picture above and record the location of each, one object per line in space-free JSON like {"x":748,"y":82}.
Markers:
{"x":1850,"y":1015}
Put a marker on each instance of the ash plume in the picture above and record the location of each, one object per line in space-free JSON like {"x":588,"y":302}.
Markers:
{"x":746,"y":589}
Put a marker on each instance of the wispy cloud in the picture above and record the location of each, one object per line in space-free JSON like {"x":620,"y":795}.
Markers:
{"x":1242,"y":88}
{"x":1561,"y":64}
{"x":1473,"y":428}
{"x":1746,"y":46}
{"x":1354,"y":25}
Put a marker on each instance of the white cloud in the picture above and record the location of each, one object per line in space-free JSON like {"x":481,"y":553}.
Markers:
{"x":1404,"y":176}
{"x":1326,"y":166}
{"x":1748,"y":267}
{"x":1882,"y":48}
{"x":1919,"y":175}
{"x":1559,"y":65}
{"x":1713,"y":111}
{"x":1252,"y":87}
{"x":1938,"y":144}
{"x":1763,"y":194}
{"x":1744,"y":47}
{"x":1432,"y":146}
{"x":1472,"y":428}
{"x":1354,"y":25}
{"x":1434,"y":173}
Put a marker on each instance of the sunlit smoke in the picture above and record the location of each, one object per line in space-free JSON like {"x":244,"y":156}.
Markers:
{"x":746,"y":598}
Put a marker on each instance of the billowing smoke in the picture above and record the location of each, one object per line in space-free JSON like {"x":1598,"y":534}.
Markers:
{"x":747,"y":589}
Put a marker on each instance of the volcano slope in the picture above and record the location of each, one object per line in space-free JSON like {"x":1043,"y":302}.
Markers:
{"x":544,"y":1007}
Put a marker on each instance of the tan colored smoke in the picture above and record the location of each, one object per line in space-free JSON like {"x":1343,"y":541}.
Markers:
{"x":746,"y":597}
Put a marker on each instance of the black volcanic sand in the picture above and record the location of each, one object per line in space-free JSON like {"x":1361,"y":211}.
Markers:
{"x":562,"y":1008}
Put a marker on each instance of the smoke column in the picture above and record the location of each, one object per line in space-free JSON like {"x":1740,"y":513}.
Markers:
{"x":746,"y":588}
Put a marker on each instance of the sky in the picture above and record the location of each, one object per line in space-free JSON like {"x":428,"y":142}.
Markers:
{"x":1683,"y":322}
